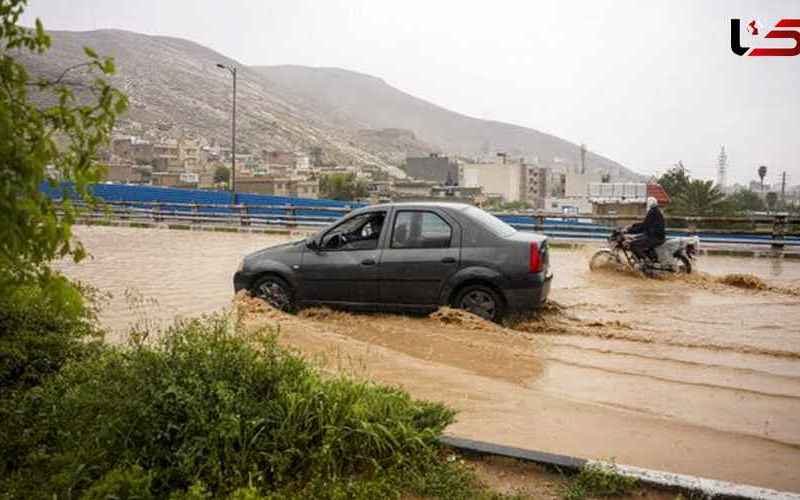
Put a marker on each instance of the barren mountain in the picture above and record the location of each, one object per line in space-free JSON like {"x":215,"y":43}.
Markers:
{"x":175,"y":87}
{"x":352,"y":99}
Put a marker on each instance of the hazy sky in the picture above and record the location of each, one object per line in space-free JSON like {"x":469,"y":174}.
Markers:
{"x":644,"y":83}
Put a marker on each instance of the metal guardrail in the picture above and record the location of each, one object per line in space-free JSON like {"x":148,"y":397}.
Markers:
{"x":556,"y":224}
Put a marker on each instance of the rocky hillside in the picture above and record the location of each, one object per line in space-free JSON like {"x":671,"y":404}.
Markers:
{"x":352,"y":99}
{"x":175,"y":87}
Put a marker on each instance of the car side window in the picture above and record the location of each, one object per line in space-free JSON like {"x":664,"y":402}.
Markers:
{"x":357,"y":233}
{"x":419,"y":229}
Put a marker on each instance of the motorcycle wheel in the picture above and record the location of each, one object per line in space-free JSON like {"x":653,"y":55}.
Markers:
{"x":684,"y":265}
{"x":604,"y":259}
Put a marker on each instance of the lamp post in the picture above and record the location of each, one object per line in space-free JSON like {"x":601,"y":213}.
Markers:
{"x":232,"y":70}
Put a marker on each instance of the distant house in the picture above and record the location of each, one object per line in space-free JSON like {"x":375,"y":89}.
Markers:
{"x":504,"y":179}
{"x":279,"y":186}
{"x":624,"y":198}
{"x":409,"y":189}
{"x":123,"y":173}
{"x":458,"y":193}
{"x":433,"y":167}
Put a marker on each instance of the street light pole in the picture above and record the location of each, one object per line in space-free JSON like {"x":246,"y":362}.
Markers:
{"x":232,"y":70}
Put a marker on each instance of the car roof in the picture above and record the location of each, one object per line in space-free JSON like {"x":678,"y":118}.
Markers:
{"x":420,"y":204}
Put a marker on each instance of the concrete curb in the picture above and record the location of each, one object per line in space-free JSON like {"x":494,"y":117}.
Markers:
{"x":710,"y":488}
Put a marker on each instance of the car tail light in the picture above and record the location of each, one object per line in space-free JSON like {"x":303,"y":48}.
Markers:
{"x":536,"y":259}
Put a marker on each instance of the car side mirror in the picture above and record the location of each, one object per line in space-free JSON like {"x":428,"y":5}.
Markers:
{"x":312,"y":244}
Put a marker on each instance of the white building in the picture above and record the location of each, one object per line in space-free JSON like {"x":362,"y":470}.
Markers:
{"x":504,"y":179}
{"x":577,"y":185}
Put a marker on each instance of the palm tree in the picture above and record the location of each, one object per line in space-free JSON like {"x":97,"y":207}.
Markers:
{"x":762,"y":172}
{"x":699,"y":198}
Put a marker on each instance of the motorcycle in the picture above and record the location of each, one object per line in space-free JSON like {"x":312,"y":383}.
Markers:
{"x":675,"y":255}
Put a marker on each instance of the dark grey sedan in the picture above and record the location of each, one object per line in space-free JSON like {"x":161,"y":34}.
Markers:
{"x":406,"y":256}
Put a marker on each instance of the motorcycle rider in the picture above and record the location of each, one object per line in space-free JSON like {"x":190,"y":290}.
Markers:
{"x":652,"y":231}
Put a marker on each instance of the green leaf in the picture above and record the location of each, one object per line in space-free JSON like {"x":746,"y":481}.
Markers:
{"x":33,"y":230}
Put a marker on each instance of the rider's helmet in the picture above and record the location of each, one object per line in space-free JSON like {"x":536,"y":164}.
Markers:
{"x":651,"y":202}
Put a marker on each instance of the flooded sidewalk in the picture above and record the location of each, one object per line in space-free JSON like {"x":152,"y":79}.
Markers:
{"x":685,"y":375}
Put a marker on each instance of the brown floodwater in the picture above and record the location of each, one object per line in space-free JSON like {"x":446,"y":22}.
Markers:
{"x":687,"y":374}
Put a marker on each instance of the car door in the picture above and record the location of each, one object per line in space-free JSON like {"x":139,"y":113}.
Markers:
{"x":343,"y":268}
{"x":421,"y":252}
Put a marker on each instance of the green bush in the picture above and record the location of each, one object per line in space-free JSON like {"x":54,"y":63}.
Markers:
{"x":212,"y":412}
{"x":598,"y":480}
{"x":42,"y":326}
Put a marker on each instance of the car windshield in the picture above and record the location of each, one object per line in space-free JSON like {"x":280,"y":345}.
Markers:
{"x":489,"y":221}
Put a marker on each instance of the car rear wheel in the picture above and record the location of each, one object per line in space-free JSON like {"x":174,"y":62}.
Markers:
{"x":481,"y":301}
{"x":275,"y":292}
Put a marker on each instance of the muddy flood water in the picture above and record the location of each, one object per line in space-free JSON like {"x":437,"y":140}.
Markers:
{"x":689,"y":375}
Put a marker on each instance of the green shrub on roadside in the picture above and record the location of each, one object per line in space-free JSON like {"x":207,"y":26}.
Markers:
{"x":598,"y":480}
{"x":208,"y":412}
{"x":42,"y":326}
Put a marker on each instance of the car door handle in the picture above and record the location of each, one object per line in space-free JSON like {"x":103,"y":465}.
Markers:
{"x":449,"y":260}
{"x":368,"y":262}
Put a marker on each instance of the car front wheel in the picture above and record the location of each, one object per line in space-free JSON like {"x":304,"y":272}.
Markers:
{"x":275,"y":292}
{"x":481,"y":301}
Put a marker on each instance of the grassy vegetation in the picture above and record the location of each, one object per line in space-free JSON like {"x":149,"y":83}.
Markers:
{"x":42,"y":327}
{"x":595,"y":481}
{"x":207,"y":411}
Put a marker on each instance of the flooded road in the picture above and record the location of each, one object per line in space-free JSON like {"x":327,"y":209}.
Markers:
{"x":686,"y":375}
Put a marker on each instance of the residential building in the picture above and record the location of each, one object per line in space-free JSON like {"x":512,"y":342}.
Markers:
{"x":279,"y":170}
{"x":458,"y":193}
{"x":133,"y":149}
{"x":302,"y":161}
{"x":558,"y":184}
{"x":569,"y":206}
{"x":576,"y":185}
{"x":123,"y":173}
{"x":287,"y":158}
{"x":440,"y":169}
{"x":189,"y":154}
{"x":504,"y":179}
{"x":165,"y":155}
{"x":279,"y":186}
{"x":535,"y":185}
{"x":175,"y":179}
{"x":380,"y":188}
{"x":412,"y":189}
{"x":624,"y":198}
{"x":177,"y":155}
{"x":306,"y":188}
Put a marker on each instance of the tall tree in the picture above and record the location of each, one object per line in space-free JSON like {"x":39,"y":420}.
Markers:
{"x":54,"y":143}
{"x":699,"y":198}
{"x":772,"y":200}
{"x":745,"y":200}
{"x":675,"y":180}
{"x":343,"y":187}
{"x":222,"y":174}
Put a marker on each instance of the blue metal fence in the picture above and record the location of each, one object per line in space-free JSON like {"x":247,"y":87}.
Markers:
{"x":280,"y":210}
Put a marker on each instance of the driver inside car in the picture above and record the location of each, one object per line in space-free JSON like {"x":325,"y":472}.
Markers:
{"x":650,"y":233}
{"x":363,"y":237}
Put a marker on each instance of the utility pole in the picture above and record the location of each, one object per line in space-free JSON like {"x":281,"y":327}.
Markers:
{"x":232,"y":70}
